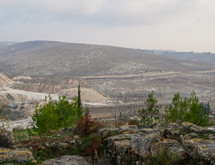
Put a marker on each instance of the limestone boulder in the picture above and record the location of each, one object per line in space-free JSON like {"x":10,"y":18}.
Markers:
{"x":190,"y":127}
{"x":200,"y":149}
{"x":19,"y":155}
{"x":129,"y":128}
{"x":107,"y":132}
{"x":172,"y":145}
{"x":142,"y":143}
{"x":67,"y":160}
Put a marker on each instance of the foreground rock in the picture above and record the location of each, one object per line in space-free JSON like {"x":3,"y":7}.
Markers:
{"x":67,"y":160}
{"x":184,"y":142}
{"x":200,"y":149}
{"x":20,"y":156}
{"x":142,"y":143}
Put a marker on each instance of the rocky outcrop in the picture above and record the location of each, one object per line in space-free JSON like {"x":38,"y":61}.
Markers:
{"x":20,"y":156}
{"x":200,"y":149}
{"x":142,"y":143}
{"x":133,"y":145}
{"x":67,"y":160}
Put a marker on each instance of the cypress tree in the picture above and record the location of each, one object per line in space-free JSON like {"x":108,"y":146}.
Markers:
{"x":79,"y":100}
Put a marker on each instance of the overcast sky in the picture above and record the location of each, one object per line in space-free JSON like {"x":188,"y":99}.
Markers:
{"x":184,"y":25}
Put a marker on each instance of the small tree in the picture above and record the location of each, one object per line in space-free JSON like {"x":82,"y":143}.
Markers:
{"x":79,"y":101}
{"x":187,"y":109}
{"x":55,"y":115}
{"x":150,"y":114}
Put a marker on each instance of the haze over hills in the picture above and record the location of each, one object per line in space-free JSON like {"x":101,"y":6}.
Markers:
{"x":205,"y":57}
{"x":47,"y":58}
{"x":7,"y":43}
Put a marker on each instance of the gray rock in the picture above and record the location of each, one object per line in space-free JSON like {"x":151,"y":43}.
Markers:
{"x":67,"y":160}
{"x":119,"y":137}
{"x":18,"y":155}
{"x":109,"y":132}
{"x":147,"y":130}
{"x":200,"y":149}
{"x":172,"y":134}
{"x":132,"y":128}
{"x":192,"y":127}
{"x":173,"y":145}
{"x":190,"y":136}
{"x":142,"y":143}
{"x":173,"y":126}
{"x":122,"y":146}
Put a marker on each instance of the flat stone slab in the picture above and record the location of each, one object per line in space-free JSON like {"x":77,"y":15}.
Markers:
{"x":67,"y":160}
{"x":200,"y":149}
{"x":15,"y":155}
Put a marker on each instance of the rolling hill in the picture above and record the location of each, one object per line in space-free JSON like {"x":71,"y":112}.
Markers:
{"x":49,"y":58}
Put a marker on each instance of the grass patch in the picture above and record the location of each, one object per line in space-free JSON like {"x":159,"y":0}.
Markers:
{"x":20,"y":135}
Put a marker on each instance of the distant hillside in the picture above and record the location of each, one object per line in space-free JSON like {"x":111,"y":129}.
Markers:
{"x":48,"y":58}
{"x":205,"y":57}
{"x":7,"y":43}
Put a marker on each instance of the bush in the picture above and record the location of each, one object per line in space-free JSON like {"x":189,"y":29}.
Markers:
{"x":54,"y":115}
{"x":5,"y":141}
{"x":187,"y":109}
{"x":133,"y":122}
{"x":91,"y":144}
{"x":87,"y":126}
{"x":150,"y":114}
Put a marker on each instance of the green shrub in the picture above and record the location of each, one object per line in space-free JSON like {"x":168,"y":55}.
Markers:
{"x":54,"y":115}
{"x":150,"y":114}
{"x":187,"y":109}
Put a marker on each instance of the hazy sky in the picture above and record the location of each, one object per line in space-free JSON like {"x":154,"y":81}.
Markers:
{"x":186,"y":25}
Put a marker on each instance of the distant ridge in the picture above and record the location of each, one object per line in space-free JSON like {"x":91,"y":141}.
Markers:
{"x":205,"y":57}
{"x":51,"y":58}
